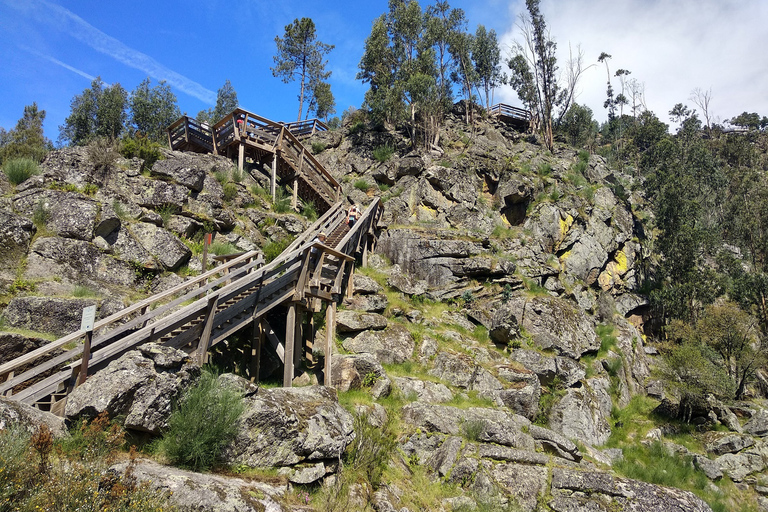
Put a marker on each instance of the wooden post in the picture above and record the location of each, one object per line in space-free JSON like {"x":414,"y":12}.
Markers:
{"x":309,"y":335}
{"x":295,"y":197}
{"x":89,"y":318}
{"x":290,"y":341}
{"x":257,"y":341}
{"x":205,"y":338}
{"x":298,"y":337}
{"x":330,"y":335}
{"x":206,"y":241}
{"x":273,"y":178}
{"x":351,"y":280}
{"x":241,"y":156}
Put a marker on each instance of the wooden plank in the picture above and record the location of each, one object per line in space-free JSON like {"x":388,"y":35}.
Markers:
{"x":205,"y":339}
{"x":330,"y":336}
{"x":290,"y":338}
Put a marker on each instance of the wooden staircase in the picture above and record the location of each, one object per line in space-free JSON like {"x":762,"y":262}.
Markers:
{"x":205,"y":310}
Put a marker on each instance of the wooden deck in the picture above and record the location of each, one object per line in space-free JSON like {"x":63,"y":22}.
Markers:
{"x":245,"y":135}
{"x":516,"y":117}
{"x":204,"y":311}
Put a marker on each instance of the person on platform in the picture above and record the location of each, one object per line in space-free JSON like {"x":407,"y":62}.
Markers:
{"x":352,"y":215}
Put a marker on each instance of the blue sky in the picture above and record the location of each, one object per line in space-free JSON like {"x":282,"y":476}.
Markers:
{"x":50,"y":49}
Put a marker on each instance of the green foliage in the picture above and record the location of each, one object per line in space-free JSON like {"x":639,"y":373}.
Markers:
{"x":309,"y":211}
{"x":472,"y":429}
{"x":230,"y":192}
{"x":153,"y":109}
{"x":27,"y":140}
{"x":357,"y":127}
{"x":318,"y":147}
{"x":166,"y":211}
{"x":383,"y":153}
{"x":273,"y":249}
{"x":579,"y":128}
{"x":203,"y":424}
{"x":99,"y":112}
{"x":237,"y":175}
{"x":141,"y":147}
{"x":82,"y":291}
{"x":119,"y":209}
{"x":19,"y":170}
{"x":222,"y":249}
{"x":370,"y":452}
{"x":221,"y":176}
{"x":362,"y":185}
{"x":282,"y":202}
{"x":300,"y":55}
{"x":90,"y":189}
{"x":41,"y":214}
{"x":544,"y":170}
{"x":226,"y":102}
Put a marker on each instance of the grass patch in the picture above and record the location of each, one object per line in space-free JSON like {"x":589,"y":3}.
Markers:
{"x":309,"y":212}
{"x":544,"y":170}
{"x":237,"y":175}
{"x":383,"y":153}
{"x":204,"y":423}
{"x":41,"y":215}
{"x":221,"y":177}
{"x":318,"y":147}
{"x":18,"y":170}
{"x":362,"y":185}
{"x":282,"y":202}
{"x":273,"y":249}
{"x":84,"y":292}
{"x":222,"y":248}
{"x":230,"y":192}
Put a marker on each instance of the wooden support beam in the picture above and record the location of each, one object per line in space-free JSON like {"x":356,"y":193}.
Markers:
{"x":241,"y":156}
{"x":295,"y":197}
{"x":205,"y":338}
{"x":298,"y":337}
{"x":257,"y":342}
{"x":330,"y":336}
{"x":290,"y":341}
{"x":273,"y":178}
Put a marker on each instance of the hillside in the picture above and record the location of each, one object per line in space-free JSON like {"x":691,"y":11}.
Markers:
{"x":498,"y":347}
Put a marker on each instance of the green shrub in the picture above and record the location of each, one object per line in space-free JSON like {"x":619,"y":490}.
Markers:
{"x":81,"y":292}
{"x":143,"y":148}
{"x":282,"y":202}
{"x":237,"y":175}
{"x":90,"y":189}
{"x":357,"y":127}
{"x":222,"y":248}
{"x":272,"y":250}
{"x":584,"y":155}
{"x":544,"y":169}
{"x":309,"y":211}
{"x":370,"y":452}
{"x":473,"y":429}
{"x":41,"y":214}
{"x":318,"y":147}
{"x":203,"y":424}
{"x":19,"y":170}
{"x":165,"y":212}
{"x":362,"y":185}
{"x":383,"y":153}
{"x":221,"y":176}
{"x":230,"y":192}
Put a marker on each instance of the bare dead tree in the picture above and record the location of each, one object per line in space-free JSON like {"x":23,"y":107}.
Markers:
{"x":702,"y":99}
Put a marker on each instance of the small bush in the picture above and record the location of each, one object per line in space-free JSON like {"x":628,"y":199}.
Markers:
{"x":237,"y":175}
{"x":473,"y":429}
{"x":230,"y":192}
{"x":143,"y":148}
{"x":309,"y":211}
{"x":90,"y":189}
{"x":222,"y":249}
{"x":221,"y":177}
{"x":84,"y":292}
{"x":370,"y":452}
{"x":318,"y":147}
{"x":383,"y":153}
{"x":362,"y":185}
{"x":357,"y":127}
{"x":273,"y":249}
{"x":204,"y":423}
{"x":282,"y":202}
{"x":102,"y":152}
{"x":18,"y":170}
{"x":165,"y":212}
{"x":41,"y":214}
{"x":544,"y":169}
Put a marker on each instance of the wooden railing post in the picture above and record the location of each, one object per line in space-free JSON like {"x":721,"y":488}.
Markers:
{"x":330,"y":336}
{"x":205,"y":338}
{"x":290,"y":341}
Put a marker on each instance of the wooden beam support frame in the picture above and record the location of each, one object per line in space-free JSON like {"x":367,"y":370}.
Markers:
{"x":205,"y":339}
{"x":330,"y":336}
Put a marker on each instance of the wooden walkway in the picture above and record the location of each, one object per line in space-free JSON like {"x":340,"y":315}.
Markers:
{"x":245,"y":135}
{"x":204,"y":311}
{"x":516,"y":117}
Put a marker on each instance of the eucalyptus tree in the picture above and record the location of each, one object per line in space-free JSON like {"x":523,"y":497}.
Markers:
{"x":301,"y":56}
{"x":152,"y":109}
{"x":99,"y":111}
{"x":226,"y":102}
{"x":487,"y":58}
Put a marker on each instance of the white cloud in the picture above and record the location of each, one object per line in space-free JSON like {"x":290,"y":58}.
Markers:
{"x":672,"y":46}
{"x":59,"y":63}
{"x":81,"y":30}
